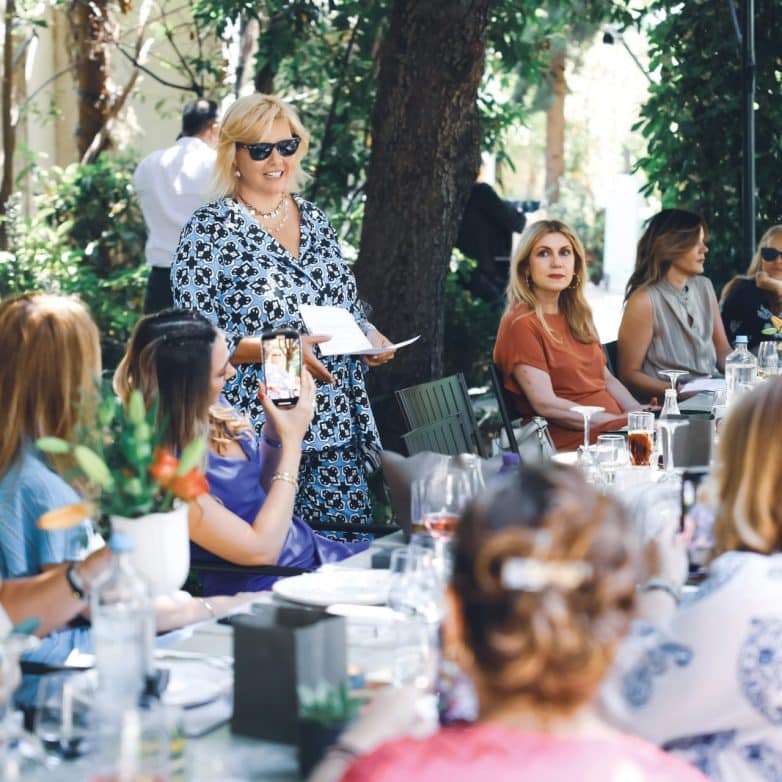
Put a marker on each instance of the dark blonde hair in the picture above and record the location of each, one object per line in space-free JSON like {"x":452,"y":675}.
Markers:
{"x":548,"y":646}
{"x":572,"y":301}
{"x":247,"y":121}
{"x":50,"y":367}
{"x":669,"y":234}
{"x":755,"y":265}
{"x":749,"y":512}
{"x":169,"y":359}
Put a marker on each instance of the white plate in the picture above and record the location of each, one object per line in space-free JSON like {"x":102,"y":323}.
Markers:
{"x":361,"y":587}
{"x":195,"y":680}
{"x":363,"y":614}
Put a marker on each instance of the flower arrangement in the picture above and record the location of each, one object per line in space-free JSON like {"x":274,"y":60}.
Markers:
{"x":125,"y":469}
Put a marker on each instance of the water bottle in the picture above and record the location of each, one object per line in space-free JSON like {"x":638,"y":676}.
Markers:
{"x":741,"y":370}
{"x":670,"y":406}
{"x":123,"y":629}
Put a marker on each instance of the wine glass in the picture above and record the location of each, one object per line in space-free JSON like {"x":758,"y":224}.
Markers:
{"x":768,"y":359}
{"x":673,"y":376}
{"x":586,"y":411}
{"x":610,"y":455}
{"x":62,"y":714}
{"x":670,"y":425}
{"x":442,"y":503}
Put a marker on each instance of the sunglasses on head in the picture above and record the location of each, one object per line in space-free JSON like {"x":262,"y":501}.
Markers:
{"x":769,"y":254}
{"x":261,"y":151}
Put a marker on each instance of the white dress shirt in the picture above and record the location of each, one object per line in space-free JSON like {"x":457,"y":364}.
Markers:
{"x":171,"y":184}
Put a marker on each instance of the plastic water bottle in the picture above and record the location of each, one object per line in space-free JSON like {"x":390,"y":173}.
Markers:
{"x":510,"y":463}
{"x":123,"y":630}
{"x":741,"y":370}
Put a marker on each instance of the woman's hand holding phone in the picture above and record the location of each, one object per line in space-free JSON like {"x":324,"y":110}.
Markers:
{"x":288,"y":425}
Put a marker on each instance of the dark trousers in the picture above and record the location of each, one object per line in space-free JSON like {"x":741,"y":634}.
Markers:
{"x":158,"y":295}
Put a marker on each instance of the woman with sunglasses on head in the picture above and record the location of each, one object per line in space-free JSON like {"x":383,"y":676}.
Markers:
{"x":671,"y":318}
{"x":248,"y":261}
{"x":750,"y":301}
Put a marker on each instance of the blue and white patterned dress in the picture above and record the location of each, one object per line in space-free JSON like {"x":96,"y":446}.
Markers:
{"x":707,"y":685}
{"x":240,"y":277}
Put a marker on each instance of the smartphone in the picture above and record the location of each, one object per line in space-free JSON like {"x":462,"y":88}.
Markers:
{"x":281,"y":361}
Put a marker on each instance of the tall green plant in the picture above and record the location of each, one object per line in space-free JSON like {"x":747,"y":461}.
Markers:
{"x":692,"y":121}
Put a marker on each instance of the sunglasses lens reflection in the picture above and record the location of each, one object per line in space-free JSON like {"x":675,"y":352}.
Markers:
{"x":769,"y":253}
{"x":286,"y":148}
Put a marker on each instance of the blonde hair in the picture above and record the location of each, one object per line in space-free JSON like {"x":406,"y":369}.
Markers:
{"x":755,"y":265}
{"x":572,"y":301}
{"x":669,"y":234}
{"x":247,"y":121}
{"x":547,"y":644}
{"x":49,"y":371}
{"x":749,"y":514}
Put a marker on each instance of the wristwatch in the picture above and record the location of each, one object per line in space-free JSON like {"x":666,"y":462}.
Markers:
{"x":76,"y":582}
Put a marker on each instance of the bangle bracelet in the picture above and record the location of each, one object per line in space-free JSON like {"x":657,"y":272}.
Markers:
{"x":269,"y":441}
{"x":287,"y":477}
{"x":663,"y":586}
{"x":209,"y":607}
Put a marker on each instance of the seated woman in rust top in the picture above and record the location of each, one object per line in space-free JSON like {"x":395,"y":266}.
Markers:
{"x":547,"y":345}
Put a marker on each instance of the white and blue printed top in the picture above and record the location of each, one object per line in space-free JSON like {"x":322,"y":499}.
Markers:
{"x":707,"y":686}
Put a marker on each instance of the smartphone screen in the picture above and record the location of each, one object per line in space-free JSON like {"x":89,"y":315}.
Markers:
{"x":282,"y":366}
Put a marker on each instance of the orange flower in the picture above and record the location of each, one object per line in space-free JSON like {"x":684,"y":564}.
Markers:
{"x":69,"y":516}
{"x":163,"y":469}
{"x":190,"y":485}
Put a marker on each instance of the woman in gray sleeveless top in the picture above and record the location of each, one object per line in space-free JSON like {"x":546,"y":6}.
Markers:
{"x":671,"y":318}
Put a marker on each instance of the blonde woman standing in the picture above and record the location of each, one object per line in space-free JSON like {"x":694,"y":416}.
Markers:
{"x":547,"y":346}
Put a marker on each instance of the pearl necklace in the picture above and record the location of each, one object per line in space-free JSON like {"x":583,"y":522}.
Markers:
{"x":282,"y":206}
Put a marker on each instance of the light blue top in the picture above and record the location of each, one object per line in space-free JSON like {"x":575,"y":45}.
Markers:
{"x":29,"y":489}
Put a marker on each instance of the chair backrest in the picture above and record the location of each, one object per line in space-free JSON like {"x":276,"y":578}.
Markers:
{"x":505,"y":404}
{"x":447,"y":436}
{"x":428,"y":403}
{"x":611,"y":350}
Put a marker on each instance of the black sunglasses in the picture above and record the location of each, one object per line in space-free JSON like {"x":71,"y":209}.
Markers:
{"x":286,"y":148}
{"x":769,"y":254}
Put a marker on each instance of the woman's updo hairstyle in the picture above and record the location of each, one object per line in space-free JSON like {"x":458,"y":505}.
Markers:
{"x":545,"y":569}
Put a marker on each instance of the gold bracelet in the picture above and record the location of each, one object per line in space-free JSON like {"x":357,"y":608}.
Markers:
{"x":287,"y":477}
{"x":209,"y":607}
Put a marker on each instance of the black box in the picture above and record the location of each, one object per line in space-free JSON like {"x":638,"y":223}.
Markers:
{"x":278,"y":649}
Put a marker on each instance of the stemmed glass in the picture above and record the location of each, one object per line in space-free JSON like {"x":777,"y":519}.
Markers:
{"x":670,"y":425}
{"x":673,"y":376}
{"x":610,"y":454}
{"x":443,"y":500}
{"x":587,"y":411}
{"x":768,"y":359}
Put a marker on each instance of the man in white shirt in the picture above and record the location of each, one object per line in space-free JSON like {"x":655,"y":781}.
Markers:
{"x":171,"y":184}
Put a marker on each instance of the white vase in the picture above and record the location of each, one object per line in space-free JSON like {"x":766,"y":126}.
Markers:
{"x":161,"y":548}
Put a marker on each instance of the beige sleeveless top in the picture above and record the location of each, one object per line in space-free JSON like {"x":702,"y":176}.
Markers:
{"x":683,"y":326}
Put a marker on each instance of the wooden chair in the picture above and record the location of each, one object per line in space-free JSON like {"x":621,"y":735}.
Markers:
{"x":437,"y":400}
{"x":447,"y":436}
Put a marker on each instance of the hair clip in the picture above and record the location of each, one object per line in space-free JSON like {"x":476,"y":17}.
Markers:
{"x":533,"y":575}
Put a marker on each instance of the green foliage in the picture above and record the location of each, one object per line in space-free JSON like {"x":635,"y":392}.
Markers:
{"x":87,"y":237}
{"x":328,"y":704}
{"x":692,"y":121}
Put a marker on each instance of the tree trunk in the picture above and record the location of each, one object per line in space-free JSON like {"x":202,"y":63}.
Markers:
{"x":425,"y":156}
{"x":6,"y":120}
{"x":555,"y":126}
{"x":89,"y":20}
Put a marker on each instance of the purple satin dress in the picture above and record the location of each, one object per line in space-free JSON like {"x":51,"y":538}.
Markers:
{"x":237,"y":484}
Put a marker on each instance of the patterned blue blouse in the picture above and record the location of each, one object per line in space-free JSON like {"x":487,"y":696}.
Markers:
{"x":239,"y":276}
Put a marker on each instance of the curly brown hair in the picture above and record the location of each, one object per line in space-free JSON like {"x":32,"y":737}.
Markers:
{"x":549,"y":645}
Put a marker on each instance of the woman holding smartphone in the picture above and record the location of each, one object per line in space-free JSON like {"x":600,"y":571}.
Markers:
{"x":180,"y":359}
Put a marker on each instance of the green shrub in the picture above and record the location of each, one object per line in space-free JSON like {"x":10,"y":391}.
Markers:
{"x":87,"y":237}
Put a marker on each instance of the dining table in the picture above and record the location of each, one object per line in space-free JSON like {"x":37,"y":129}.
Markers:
{"x":211,"y":750}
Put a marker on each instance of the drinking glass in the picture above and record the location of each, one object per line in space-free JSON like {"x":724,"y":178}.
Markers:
{"x":640,"y":438}
{"x":62,"y":714}
{"x":670,"y":425}
{"x":768,"y":360}
{"x":610,"y":455}
{"x":673,"y":376}
{"x":415,"y":586}
{"x":586,"y":411}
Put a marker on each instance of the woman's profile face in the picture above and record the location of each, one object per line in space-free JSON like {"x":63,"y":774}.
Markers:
{"x":552,"y":263}
{"x":774,"y":267}
{"x":691,"y":262}
{"x":273,"y":176}
{"x":221,"y":370}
